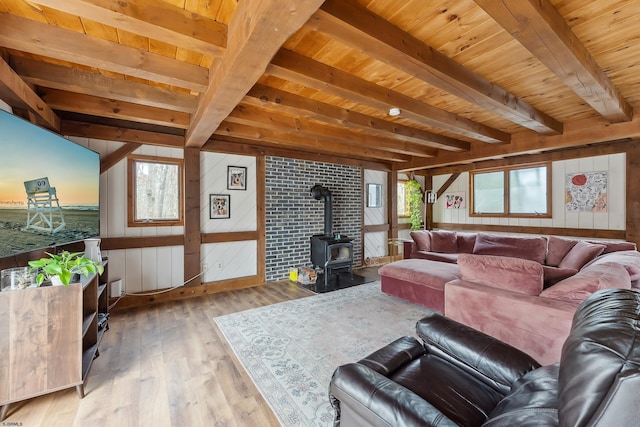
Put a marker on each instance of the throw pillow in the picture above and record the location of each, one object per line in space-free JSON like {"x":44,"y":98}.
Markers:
{"x":532,"y":248}
{"x":607,"y":275}
{"x":513,"y":274}
{"x":558,"y":249}
{"x":422,"y":239}
{"x":444,"y":241}
{"x":580,"y":254}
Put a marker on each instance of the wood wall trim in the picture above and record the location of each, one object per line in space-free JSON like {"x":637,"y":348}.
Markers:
{"x":375,"y":228}
{"x":184,"y":292}
{"x":556,"y":231}
{"x":192,"y":224}
{"x":633,"y":194}
{"x":232,"y":236}
{"x":119,"y":243}
{"x":261,"y":215}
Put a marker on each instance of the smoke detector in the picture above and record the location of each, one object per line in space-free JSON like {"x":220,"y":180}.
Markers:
{"x":394,"y":111}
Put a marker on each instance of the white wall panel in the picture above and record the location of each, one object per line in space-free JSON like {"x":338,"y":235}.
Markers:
{"x":375,"y":244}
{"x":613,"y":219}
{"x":230,"y":260}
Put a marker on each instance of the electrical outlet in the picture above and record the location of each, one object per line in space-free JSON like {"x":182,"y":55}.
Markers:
{"x":220,"y":265}
{"x":205,"y":266}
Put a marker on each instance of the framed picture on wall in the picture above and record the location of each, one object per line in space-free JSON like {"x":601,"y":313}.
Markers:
{"x":374,"y":195}
{"x":219,"y":206}
{"x":236,"y":178}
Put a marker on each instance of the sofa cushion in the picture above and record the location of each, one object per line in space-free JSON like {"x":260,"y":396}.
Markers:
{"x":628,"y":259}
{"x":536,"y":392}
{"x":581,"y":253}
{"x":558,"y":249}
{"x":436,"y":256}
{"x":532,"y":248}
{"x":444,"y":241}
{"x":422,"y":239}
{"x":553,"y":275}
{"x":606,"y":275}
{"x":616,"y":246}
{"x":466,"y":242}
{"x":514,"y":274}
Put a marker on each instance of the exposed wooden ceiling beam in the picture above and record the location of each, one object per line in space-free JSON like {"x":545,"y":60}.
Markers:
{"x":104,"y":107}
{"x":112,"y":159}
{"x":292,"y":66}
{"x":80,"y":81}
{"x":357,"y":27}
{"x":157,"y":20}
{"x":293,"y":104}
{"x":578,"y":133}
{"x":225,"y":144}
{"x":42,"y":39}
{"x":112,"y":133}
{"x":252,"y":116}
{"x":17,"y":93}
{"x":256,"y":31}
{"x":540,"y":28}
{"x":295,"y":142}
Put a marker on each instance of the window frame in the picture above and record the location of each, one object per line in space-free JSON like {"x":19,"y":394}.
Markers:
{"x":506,"y":172}
{"x":131,"y":191}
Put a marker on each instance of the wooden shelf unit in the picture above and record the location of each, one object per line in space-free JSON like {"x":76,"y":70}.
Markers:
{"x":49,"y":337}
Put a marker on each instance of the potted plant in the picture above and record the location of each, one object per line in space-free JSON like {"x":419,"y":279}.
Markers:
{"x":414,"y":195}
{"x":61,"y":267}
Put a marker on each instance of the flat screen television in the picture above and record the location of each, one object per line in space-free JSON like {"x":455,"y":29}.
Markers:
{"x":49,"y":188}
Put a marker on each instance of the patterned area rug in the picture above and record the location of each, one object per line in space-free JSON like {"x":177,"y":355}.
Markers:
{"x":291,"y":349}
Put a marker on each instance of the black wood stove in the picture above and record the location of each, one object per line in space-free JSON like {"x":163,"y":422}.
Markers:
{"x":330,"y":251}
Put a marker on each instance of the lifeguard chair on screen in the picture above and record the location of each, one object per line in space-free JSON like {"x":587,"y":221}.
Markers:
{"x":43,"y":209}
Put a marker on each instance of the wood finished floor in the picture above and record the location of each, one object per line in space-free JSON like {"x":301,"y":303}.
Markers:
{"x":166,"y":365}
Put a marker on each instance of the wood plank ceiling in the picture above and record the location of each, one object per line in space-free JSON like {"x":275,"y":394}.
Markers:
{"x":471,"y":79}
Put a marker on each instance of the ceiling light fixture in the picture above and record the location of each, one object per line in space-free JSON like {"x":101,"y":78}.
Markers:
{"x":394,"y":111}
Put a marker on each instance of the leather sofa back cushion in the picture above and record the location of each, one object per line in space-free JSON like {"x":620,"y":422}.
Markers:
{"x":532,"y":248}
{"x":580,"y":254}
{"x":422,"y":239}
{"x":606,"y":275}
{"x":444,"y":241}
{"x":598,"y":378}
{"x":513,"y":274}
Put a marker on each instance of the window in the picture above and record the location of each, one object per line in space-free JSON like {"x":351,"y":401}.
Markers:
{"x":514,"y":191}
{"x":155,"y":191}
{"x":403,"y":199}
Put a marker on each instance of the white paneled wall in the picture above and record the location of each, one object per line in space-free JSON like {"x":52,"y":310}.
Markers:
{"x":149,"y":269}
{"x":613,"y":219}
{"x":375,"y":244}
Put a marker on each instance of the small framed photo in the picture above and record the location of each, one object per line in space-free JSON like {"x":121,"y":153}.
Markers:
{"x":374,"y":195}
{"x":219,"y":206}
{"x":236,"y":178}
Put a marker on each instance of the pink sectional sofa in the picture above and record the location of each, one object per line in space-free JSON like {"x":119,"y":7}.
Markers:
{"x":520,"y":289}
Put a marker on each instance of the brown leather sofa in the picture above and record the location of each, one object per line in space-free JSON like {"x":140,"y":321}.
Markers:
{"x":460,"y":376}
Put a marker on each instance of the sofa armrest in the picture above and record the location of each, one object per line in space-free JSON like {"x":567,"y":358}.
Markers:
{"x":394,"y":355}
{"x":493,"y":361}
{"x":408,"y":248}
{"x":536,"y":325}
{"x":350,"y":392}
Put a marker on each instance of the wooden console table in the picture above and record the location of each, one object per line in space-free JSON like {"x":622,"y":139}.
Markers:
{"x":49,"y":337}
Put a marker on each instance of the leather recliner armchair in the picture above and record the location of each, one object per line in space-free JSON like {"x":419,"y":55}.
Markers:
{"x":460,"y":376}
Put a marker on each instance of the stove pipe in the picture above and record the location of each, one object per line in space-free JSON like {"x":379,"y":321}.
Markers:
{"x":319,"y":192}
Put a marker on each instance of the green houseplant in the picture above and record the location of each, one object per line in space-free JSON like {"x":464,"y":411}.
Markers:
{"x":414,"y":196}
{"x":64,"y":265}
